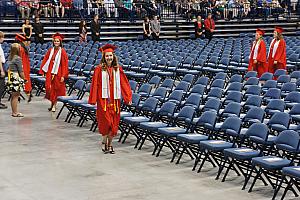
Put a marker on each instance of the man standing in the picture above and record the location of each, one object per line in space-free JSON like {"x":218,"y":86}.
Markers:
{"x":155,"y":28}
{"x":209,"y":25}
{"x":38,"y":29}
{"x":2,"y":72}
{"x":258,"y":55}
{"x":277,"y":52}
{"x":95,"y":28}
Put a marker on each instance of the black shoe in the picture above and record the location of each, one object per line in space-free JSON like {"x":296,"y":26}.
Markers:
{"x":111,"y":150}
{"x":3,"y":106}
{"x":29,"y":98}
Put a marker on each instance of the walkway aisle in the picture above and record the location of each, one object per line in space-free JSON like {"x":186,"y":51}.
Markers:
{"x":42,"y":158}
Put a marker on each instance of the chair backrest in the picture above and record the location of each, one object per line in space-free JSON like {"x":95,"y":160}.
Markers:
{"x":235,"y":86}
{"x":231,"y":126}
{"x":288,"y":140}
{"x":288,"y":87}
{"x":252,"y":81}
{"x":250,"y":74}
{"x":254,"y":100}
{"x":281,"y":118}
{"x":258,"y":132}
{"x":186,"y":114}
{"x":182,"y":86}
{"x":236,"y":78}
{"x":253,"y":90}
{"x":279,"y":72}
{"x":295,"y":110}
{"x":277,"y":104}
{"x":234,"y":96}
{"x":198,"y":89}
{"x":266,"y":76}
{"x":215,"y":92}
{"x":212,"y":104}
{"x":220,"y":75}
{"x":155,"y":80}
{"x":167,"y":109}
{"x":193,"y":100}
{"x":160,"y":92}
{"x":255,"y":113}
{"x":293,"y":97}
{"x":133,"y":85}
{"x":270,"y":84}
{"x":167,"y":83}
{"x":219,"y":83}
{"x":135,"y":99}
{"x":188,"y":78}
{"x":146,"y":88}
{"x":233,"y":108}
{"x":272,"y":93}
{"x":150,"y":104}
{"x":203,"y":80}
{"x":176,"y":95}
{"x":208,"y":119}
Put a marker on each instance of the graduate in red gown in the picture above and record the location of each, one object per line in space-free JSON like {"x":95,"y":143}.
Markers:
{"x":55,"y":67}
{"x":277,"y":52}
{"x":258,"y":55}
{"x":109,"y":85}
{"x":24,"y":54}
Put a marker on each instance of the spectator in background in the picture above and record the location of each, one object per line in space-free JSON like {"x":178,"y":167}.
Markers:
{"x":199,"y":29}
{"x":38,"y":30}
{"x":146,"y":28}
{"x":45,"y":6}
{"x":82,"y":31}
{"x":27,"y":29}
{"x":209,"y":25}
{"x":95,"y":28}
{"x":66,"y":5}
{"x":155,"y":28}
{"x":57,"y":6}
{"x":2,"y":72}
{"x":24,"y":8}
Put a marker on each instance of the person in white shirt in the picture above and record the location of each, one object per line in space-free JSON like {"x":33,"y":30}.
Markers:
{"x":2,"y":72}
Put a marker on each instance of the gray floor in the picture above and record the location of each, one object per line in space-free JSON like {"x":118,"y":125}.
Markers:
{"x":42,"y":158}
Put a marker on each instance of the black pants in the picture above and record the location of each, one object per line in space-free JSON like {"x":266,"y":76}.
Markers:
{"x":154,"y":36}
{"x":39,"y":39}
{"x":2,"y":87}
{"x":208,"y":34}
{"x":95,"y":38}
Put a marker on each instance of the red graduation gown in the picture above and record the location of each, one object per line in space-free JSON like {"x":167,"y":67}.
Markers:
{"x":261,"y":58}
{"x":108,"y":110}
{"x":26,"y":68}
{"x":280,"y":56}
{"x":54,"y":87}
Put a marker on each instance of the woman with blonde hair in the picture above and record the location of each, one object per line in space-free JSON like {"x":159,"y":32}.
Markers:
{"x":15,"y":78}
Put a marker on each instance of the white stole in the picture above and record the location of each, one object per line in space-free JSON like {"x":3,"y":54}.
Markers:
{"x":255,"y":47}
{"x":56,"y":62}
{"x":105,"y":84}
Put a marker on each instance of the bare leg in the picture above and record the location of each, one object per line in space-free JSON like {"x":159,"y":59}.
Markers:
{"x":62,"y":11}
{"x":104,"y":143}
{"x":14,"y":102}
{"x":110,"y":147}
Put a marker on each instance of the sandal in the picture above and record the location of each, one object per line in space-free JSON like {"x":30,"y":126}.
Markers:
{"x":17,"y":115}
{"x":111,"y":150}
{"x":53,"y":109}
{"x":29,"y":98}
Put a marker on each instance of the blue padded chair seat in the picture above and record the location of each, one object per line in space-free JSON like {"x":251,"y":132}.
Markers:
{"x":41,"y":79}
{"x":192,"y":138}
{"x":77,"y":102}
{"x":278,"y":127}
{"x":215,"y":145}
{"x":241,"y":153}
{"x":76,"y":78}
{"x":270,"y":141}
{"x":125,"y":114}
{"x":136,"y":120}
{"x":171,"y":131}
{"x":89,"y":107}
{"x":271,"y":162}
{"x":153,"y":126}
{"x":292,"y":171}
{"x":296,"y":117}
{"x":66,"y":98}
{"x":138,"y":75}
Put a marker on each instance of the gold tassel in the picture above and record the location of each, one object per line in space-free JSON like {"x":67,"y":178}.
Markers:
{"x":104,"y":104}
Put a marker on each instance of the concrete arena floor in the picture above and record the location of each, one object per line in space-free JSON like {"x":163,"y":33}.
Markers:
{"x":42,"y":158}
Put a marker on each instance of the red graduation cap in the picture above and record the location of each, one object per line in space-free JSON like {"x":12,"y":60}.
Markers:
{"x":108,"y":48}
{"x":260,"y":31}
{"x":58,"y":36}
{"x":278,"y":29}
{"x":21,"y":38}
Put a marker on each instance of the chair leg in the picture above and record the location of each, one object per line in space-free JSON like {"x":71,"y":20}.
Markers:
{"x":248,"y":178}
{"x":221,"y":167}
{"x":60,"y":111}
{"x":278,"y":188}
{"x":161,"y":146}
{"x":255,"y":179}
{"x":203,"y":161}
{"x":199,"y":155}
{"x":176,"y":151}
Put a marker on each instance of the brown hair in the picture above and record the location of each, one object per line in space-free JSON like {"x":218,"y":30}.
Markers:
{"x":1,"y":34}
{"x":114,"y":63}
{"x":14,"y":51}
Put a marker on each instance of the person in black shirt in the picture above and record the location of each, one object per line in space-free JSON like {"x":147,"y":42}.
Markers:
{"x":199,"y":27}
{"x":38,"y":29}
{"x":146,"y":28}
{"x":95,"y":29}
